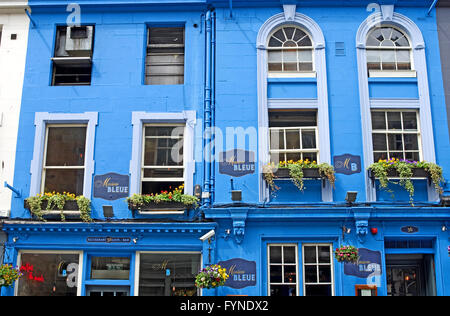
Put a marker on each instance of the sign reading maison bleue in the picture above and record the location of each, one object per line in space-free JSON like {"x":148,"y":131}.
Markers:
{"x":111,"y":186}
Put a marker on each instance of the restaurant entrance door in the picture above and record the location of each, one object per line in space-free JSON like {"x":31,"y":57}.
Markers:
{"x":410,"y":275}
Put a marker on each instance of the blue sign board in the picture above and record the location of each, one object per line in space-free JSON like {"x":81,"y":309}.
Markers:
{"x":369,"y":264}
{"x":237,"y":162}
{"x":111,"y":186}
{"x":347,"y":164}
{"x":242,"y":273}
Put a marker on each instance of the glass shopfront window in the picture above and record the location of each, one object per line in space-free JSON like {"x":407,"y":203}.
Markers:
{"x":48,"y":274}
{"x":168,"y":274}
{"x":110,"y":268}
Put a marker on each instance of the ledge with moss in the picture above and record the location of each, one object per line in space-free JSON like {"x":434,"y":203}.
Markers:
{"x":59,"y":205}
{"x":297,"y":171}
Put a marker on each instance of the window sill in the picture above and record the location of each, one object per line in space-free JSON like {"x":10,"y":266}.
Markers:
{"x":292,"y":80}
{"x":294,"y":75}
{"x":392,"y":74}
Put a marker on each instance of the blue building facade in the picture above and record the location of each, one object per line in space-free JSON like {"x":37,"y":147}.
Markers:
{"x":238,"y":85}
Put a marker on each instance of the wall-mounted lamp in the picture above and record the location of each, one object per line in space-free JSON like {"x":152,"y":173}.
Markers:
{"x":444,"y":228}
{"x":346,"y":230}
{"x":350,"y":197}
{"x":135,"y":240}
{"x":15,"y":239}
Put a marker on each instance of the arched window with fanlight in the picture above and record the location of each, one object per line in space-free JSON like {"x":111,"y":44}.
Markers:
{"x":290,"y":52}
{"x":389,"y":53}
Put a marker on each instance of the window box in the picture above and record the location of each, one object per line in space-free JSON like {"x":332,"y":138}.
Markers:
{"x":418,"y":173}
{"x":297,"y":172}
{"x":405,"y":171}
{"x":74,"y":208}
{"x":155,"y":208}
{"x":174,"y":202}
{"x":308,"y":173}
{"x":70,"y":211}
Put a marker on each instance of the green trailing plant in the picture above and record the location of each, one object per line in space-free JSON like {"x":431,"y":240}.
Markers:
{"x":84,"y":205}
{"x":35,"y":205}
{"x":175,"y":196}
{"x":58,"y":201}
{"x":404,"y":168}
{"x":268,"y":171}
{"x":296,"y":172}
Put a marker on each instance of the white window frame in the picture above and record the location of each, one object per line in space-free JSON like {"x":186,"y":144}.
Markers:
{"x":139,"y":119}
{"x":143,"y":166}
{"x":423,"y":102}
{"x":138,"y":265}
{"x":292,"y":74}
{"x":282,"y":266}
{"x":296,"y":151}
{"x":44,"y":158}
{"x":317,"y":264}
{"x":320,"y":103}
{"x":42,"y":119}
{"x":390,"y":72}
{"x":54,"y":252}
{"x":402,"y":131}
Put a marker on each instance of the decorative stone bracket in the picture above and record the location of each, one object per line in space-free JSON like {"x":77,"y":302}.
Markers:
{"x":362,"y":223}
{"x":239,"y":218}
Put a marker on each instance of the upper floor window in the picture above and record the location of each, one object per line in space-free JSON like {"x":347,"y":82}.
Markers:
{"x":293,"y":135}
{"x":72,"y":61}
{"x":162,"y":163}
{"x":389,"y":53}
{"x":290,"y":52}
{"x":165,"y":56}
{"x":64,"y":159}
{"x":395,"y":134}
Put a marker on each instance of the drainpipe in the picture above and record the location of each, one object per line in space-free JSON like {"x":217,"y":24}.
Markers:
{"x":207,"y":112}
{"x":213,"y":106}
{"x":432,"y":7}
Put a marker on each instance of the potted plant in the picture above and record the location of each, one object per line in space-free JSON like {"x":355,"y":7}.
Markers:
{"x":64,"y":203}
{"x":210,"y":277}
{"x":346,"y":254}
{"x":166,"y":200}
{"x":297,"y":171}
{"x":405,"y":170}
{"x":8,"y":275}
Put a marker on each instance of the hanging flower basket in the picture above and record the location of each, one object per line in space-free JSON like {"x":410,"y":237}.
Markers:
{"x":346,"y":254}
{"x":8,"y":275}
{"x":211,"y":277}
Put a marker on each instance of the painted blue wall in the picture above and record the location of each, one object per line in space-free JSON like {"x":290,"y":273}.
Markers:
{"x":117,"y":90}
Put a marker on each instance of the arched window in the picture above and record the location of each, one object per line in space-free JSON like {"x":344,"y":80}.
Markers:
{"x":290,"y":51}
{"x":388,"y":49}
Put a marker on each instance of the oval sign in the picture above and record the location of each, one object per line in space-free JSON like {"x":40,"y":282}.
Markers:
{"x":410,"y":229}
